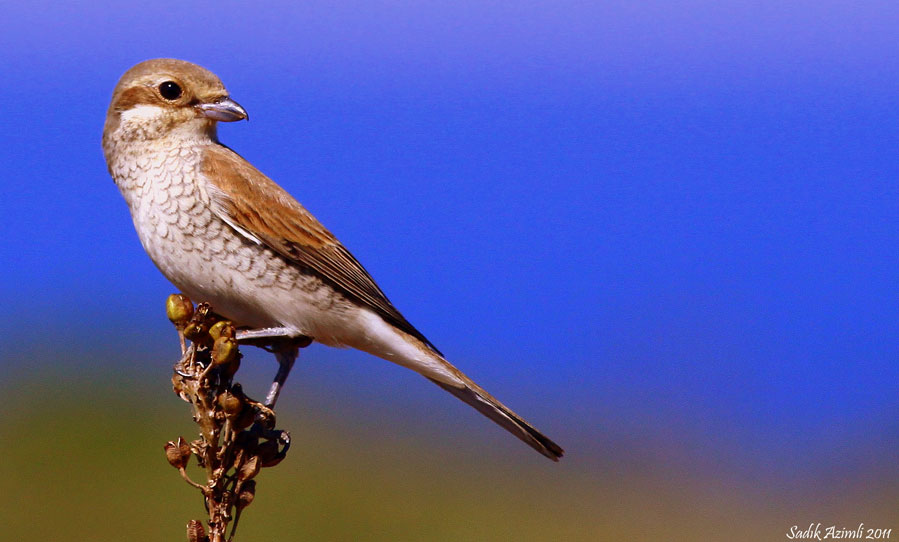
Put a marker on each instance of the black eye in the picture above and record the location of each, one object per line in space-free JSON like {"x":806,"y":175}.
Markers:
{"x":170,"y":90}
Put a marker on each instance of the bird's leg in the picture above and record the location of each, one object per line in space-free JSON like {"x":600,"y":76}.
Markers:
{"x":286,"y":358}
{"x":285,"y":344}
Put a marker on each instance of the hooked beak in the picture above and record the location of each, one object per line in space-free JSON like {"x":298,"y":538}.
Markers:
{"x":223,"y":109}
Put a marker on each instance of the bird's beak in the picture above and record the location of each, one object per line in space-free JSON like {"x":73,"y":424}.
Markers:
{"x":223,"y":109}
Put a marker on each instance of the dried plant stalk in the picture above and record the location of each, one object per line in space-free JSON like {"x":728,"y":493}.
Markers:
{"x":237,"y":434}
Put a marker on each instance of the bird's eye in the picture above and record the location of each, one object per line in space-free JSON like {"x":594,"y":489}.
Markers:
{"x":170,"y":90}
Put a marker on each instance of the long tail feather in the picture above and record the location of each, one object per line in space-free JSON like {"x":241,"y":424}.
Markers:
{"x":475,"y":396}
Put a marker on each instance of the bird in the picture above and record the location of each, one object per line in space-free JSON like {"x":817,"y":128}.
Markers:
{"x":221,"y":231}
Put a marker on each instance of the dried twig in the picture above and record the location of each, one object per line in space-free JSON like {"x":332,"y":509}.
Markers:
{"x":237,"y":434}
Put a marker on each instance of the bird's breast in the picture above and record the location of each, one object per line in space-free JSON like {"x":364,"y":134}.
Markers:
{"x":207,"y":259}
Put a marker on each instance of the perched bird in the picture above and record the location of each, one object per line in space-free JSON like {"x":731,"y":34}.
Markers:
{"x":224,"y":233}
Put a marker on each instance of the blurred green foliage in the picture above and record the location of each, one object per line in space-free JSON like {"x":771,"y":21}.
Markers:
{"x":84,"y":461}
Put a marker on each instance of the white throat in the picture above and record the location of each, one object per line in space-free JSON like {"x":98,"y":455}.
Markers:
{"x":151,"y":122}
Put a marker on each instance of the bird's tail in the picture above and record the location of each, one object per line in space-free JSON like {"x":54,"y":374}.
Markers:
{"x":487,"y":405}
{"x":387,"y":341}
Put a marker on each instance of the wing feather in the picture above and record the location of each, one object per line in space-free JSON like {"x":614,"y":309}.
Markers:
{"x":260,"y":210}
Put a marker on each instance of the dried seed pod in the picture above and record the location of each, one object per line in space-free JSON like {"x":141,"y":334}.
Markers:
{"x":175,"y":453}
{"x":249,"y":469}
{"x":238,"y":390}
{"x":204,"y":310}
{"x":184,"y":449}
{"x":222,"y":328}
{"x":245,"y":419}
{"x":246,"y":495}
{"x":197,"y":332}
{"x":224,"y":350}
{"x":265,"y":416}
{"x":231,"y":404}
{"x":268,"y":454}
{"x":179,"y":309}
{"x":231,"y":369}
{"x":196,"y":532}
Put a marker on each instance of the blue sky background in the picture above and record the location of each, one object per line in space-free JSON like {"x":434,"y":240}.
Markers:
{"x":669,"y":227}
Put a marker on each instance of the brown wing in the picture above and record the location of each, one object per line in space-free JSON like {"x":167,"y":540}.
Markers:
{"x":264,"y":212}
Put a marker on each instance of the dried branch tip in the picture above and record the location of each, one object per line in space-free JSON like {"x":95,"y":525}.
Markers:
{"x":237,"y":435}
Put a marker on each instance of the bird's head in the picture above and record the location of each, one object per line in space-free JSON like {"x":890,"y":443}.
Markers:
{"x":164,"y":96}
